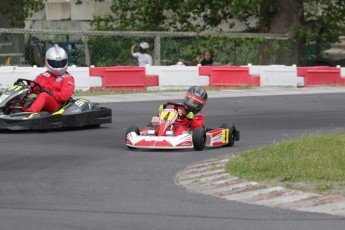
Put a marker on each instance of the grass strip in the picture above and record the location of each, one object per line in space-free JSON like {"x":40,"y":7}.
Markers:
{"x":313,"y":163}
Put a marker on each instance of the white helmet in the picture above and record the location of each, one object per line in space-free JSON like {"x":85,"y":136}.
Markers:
{"x":56,"y":60}
{"x":144,"y":45}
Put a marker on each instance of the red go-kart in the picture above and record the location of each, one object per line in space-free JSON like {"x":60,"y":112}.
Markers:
{"x":159,"y":133}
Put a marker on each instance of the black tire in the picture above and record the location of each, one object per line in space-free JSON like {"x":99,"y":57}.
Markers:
{"x":132,"y":129}
{"x":232,"y":134}
{"x":199,"y":139}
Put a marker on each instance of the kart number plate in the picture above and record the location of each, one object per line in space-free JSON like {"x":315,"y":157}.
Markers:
{"x":225,"y":136}
{"x":167,"y":116}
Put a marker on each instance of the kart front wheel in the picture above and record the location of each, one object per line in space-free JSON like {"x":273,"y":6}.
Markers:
{"x":234,"y":134}
{"x":199,"y":138}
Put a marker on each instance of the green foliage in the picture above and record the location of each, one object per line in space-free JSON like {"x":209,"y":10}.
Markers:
{"x":109,"y":51}
{"x":324,"y":23}
{"x":133,"y":16}
{"x":180,"y":15}
{"x":18,"y":10}
{"x":324,"y":18}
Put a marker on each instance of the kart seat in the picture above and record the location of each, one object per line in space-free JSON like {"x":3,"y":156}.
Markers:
{"x":64,"y":104}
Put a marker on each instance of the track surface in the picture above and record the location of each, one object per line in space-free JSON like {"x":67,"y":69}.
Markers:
{"x":88,"y":179}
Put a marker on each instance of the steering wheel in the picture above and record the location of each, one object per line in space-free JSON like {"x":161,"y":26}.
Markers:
{"x":176,"y":105}
{"x":35,"y":87}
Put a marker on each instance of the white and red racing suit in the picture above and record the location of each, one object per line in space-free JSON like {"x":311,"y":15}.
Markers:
{"x":58,"y":90}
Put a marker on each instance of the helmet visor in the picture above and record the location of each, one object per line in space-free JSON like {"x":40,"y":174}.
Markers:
{"x":194,"y":101}
{"x":57,"y":63}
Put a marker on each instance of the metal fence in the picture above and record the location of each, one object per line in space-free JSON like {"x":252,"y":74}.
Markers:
{"x":108,"y":48}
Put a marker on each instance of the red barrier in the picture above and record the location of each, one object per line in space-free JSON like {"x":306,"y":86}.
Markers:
{"x":229,"y":76}
{"x":320,"y":75}
{"x":124,"y":77}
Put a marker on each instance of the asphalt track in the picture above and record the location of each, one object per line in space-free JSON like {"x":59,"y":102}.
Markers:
{"x":88,"y":179}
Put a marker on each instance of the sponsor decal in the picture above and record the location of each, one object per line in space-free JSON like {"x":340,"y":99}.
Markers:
{"x":46,"y":74}
{"x":187,"y":143}
{"x":58,"y":79}
{"x":217,"y":138}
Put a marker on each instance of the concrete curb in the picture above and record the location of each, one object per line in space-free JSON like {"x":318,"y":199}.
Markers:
{"x":209,"y":177}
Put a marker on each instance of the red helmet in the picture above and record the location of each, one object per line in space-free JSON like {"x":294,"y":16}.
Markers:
{"x":195,"y":99}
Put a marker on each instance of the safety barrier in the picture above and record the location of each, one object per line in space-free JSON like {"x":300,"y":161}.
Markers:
{"x":124,"y":77}
{"x":173,"y":77}
{"x":277,"y":75}
{"x":177,"y":77}
{"x":321,"y":76}
{"x":229,"y":76}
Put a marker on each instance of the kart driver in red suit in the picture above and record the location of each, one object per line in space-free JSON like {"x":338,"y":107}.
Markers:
{"x":57,"y":83}
{"x":191,"y":117}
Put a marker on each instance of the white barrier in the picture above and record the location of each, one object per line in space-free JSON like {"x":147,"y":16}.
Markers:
{"x":342,"y":72}
{"x":9,"y":74}
{"x":177,"y":76}
{"x":83,"y":81}
{"x":277,"y":75}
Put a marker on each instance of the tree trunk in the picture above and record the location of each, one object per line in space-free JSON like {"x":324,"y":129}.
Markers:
{"x":288,"y":18}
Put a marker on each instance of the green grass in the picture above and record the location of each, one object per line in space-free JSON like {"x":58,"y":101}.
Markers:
{"x":312,"y":163}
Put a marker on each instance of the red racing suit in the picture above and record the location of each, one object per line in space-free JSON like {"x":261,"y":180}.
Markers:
{"x":60,"y":89}
{"x":183,"y":124}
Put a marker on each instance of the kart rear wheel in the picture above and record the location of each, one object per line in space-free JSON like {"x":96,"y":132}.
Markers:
{"x":132,"y":129}
{"x":233,"y":134}
{"x":199,"y":138}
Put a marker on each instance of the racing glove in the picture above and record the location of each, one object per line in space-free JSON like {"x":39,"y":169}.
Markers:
{"x":161,"y":107}
{"x":190,"y":115}
{"x":35,"y":89}
{"x":49,"y":92}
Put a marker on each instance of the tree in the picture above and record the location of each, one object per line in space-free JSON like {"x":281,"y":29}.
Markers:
{"x":319,"y":21}
{"x":14,"y":12}
{"x":324,"y":23}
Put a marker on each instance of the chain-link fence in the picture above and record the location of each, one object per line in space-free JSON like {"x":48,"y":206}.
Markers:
{"x":27,"y":47}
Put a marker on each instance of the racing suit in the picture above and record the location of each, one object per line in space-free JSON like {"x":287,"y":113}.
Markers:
{"x":57,"y":90}
{"x":183,"y":124}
